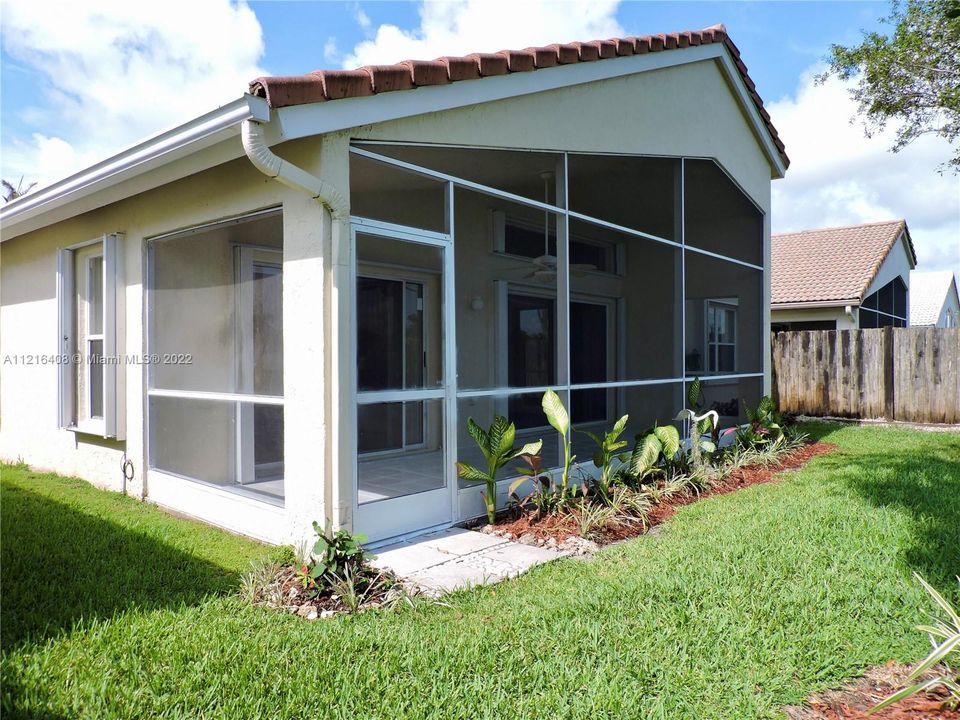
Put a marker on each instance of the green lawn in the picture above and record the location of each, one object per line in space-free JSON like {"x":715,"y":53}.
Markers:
{"x":111,"y":608}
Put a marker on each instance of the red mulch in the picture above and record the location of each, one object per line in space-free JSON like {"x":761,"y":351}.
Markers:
{"x":854,"y":700}
{"x":560,"y":527}
{"x":744,"y":477}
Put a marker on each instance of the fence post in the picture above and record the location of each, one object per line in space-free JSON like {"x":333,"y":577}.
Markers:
{"x":889,"y":375}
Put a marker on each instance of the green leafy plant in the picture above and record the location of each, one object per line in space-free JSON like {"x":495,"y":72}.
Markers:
{"x":653,"y":453}
{"x":542,"y":496}
{"x":630,"y":505}
{"x":764,"y":425}
{"x":560,"y":421}
{"x":496,"y":444}
{"x":944,"y":636}
{"x":606,"y":456}
{"x":259,"y":583}
{"x":354,"y":587}
{"x":334,"y":555}
{"x":591,"y":517}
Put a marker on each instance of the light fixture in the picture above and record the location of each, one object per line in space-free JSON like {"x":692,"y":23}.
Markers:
{"x":476,"y":303}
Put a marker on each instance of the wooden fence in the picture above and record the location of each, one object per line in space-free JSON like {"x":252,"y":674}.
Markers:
{"x":910,"y":374}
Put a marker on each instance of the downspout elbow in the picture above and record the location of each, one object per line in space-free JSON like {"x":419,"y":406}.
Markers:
{"x":273,"y":166}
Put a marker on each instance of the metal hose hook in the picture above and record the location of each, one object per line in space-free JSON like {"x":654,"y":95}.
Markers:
{"x":127,"y":470}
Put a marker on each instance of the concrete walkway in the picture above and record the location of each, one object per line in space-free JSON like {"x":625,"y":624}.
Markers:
{"x":455,"y":558}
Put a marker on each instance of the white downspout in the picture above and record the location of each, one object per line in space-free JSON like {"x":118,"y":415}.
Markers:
{"x":272,"y":165}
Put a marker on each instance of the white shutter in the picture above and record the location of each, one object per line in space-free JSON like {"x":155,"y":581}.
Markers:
{"x":113,"y":348}
{"x":66,"y":367}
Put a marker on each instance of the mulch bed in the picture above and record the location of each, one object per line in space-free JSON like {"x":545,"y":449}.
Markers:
{"x":854,"y":700}
{"x":287,"y":594}
{"x":561,"y":527}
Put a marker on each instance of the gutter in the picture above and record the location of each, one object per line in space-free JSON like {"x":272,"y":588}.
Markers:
{"x":330,"y":197}
{"x":135,"y":160}
{"x":816,"y":304}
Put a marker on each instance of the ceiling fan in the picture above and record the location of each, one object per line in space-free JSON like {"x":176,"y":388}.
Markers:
{"x":545,"y":266}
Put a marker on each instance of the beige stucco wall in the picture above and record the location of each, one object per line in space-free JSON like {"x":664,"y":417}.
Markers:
{"x":28,"y":326}
{"x":682,"y":111}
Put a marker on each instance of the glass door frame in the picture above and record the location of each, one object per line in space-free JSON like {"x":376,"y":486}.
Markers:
{"x":414,"y":513}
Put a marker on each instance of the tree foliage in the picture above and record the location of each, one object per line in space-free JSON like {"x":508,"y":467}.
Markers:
{"x":911,"y":78}
{"x":12,"y":193}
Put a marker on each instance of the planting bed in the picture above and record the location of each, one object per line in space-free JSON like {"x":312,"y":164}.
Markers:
{"x":854,"y":700}
{"x":557,"y":528}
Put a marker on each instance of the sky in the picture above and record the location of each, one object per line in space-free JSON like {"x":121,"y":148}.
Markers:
{"x":80,"y":81}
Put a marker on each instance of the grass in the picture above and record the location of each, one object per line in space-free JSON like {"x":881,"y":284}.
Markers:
{"x":747,"y":601}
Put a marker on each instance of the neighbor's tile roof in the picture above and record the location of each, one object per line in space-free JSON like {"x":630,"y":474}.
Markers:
{"x":928,"y":292}
{"x":831,"y":263}
{"x":321,"y":85}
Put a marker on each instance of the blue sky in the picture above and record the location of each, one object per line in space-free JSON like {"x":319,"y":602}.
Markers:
{"x":82,"y":80}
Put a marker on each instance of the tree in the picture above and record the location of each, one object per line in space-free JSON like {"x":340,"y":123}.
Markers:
{"x":911,"y":78}
{"x":12,"y":193}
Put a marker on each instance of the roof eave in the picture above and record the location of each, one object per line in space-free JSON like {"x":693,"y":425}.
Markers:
{"x":135,"y":160}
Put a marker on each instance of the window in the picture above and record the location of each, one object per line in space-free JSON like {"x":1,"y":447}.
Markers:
{"x":527,"y":240}
{"x":885,"y":307}
{"x":721,"y":336}
{"x":90,"y":396}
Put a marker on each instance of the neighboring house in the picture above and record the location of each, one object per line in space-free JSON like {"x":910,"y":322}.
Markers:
{"x":287,"y":309}
{"x":842,"y":278}
{"x":933,"y":299}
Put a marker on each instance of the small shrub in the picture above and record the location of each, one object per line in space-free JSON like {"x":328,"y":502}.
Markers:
{"x":630,"y":505}
{"x":652,"y":454}
{"x":764,"y":426}
{"x":591,"y":517}
{"x":606,"y":456}
{"x":260,"y":582}
{"x":542,"y":496}
{"x":335,"y":554}
{"x":354,"y":587}
{"x":496,"y":444}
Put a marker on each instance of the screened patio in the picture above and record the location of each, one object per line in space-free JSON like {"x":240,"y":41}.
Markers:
{"x":484,"y":277}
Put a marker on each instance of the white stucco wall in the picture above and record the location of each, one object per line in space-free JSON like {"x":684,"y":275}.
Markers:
{"x":896,"y":263}
{"x":951,"y":308}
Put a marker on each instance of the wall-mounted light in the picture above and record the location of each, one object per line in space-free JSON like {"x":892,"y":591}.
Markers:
{"x":476,"y":303}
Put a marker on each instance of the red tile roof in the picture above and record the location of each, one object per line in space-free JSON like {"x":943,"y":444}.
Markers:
{"x":322,"y":85}
{"x":831,"y":263}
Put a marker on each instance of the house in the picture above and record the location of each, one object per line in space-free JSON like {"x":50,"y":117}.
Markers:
{"x":841,"y":278}
{"x":933,"y":299}
{"x":285,"y":310}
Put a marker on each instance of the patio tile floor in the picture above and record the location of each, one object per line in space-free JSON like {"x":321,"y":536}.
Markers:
{"x":455,"y":558}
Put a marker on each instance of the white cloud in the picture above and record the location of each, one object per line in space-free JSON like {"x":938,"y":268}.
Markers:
{"x":457,"y":27}
{"x":838,"y":176}
{"x":330,"y":50}
{"x":117,"y":71}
